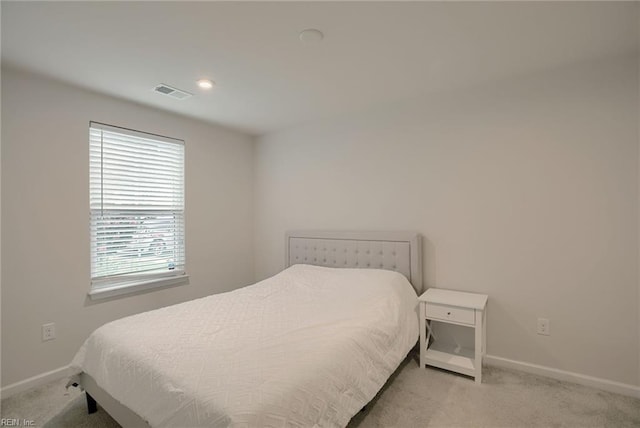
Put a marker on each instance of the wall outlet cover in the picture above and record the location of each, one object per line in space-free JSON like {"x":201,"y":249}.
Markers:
{"x":48,"y":331}
{"x":544,"y":327}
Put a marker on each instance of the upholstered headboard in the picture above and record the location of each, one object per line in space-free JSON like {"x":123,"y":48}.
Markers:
{"x":398,"y":251}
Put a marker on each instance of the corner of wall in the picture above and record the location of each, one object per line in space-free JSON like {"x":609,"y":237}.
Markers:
{"x":254,"y":144}
{"x":0,"y":217}
{"x":638,"y":136}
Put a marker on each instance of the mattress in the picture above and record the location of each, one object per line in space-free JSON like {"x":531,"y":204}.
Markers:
{"x":307,"y":347}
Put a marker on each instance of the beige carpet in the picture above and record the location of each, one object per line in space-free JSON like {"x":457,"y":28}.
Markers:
{"x":411,"y":398}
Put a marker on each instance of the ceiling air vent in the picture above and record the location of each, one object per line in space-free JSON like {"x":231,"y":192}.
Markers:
{"x":171,"y":92}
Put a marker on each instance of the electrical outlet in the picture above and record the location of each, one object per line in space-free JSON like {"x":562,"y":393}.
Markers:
{"x":544,"y":327}
{"x":48,"y":331}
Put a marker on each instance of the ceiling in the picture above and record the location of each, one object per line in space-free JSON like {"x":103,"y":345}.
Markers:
{"x":373,"y":53}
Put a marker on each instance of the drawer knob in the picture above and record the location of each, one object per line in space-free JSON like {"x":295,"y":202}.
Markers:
{"x":448,"y":313}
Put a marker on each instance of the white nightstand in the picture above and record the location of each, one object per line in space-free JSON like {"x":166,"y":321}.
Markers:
{"x":453,"y":307}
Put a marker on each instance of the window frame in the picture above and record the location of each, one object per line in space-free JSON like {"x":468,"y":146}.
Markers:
{"x":127,"y":283}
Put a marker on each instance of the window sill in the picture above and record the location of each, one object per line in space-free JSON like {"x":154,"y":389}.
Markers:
{"x":135,"y":287}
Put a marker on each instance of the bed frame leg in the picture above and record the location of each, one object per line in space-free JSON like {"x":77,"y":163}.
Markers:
{"x":92,"y":406}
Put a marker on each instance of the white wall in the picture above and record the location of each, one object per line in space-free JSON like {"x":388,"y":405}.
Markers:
{"x":45,"y":216}
{"x":526,"y":190}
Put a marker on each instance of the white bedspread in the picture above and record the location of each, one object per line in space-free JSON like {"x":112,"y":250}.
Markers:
{"x":307,"y":347}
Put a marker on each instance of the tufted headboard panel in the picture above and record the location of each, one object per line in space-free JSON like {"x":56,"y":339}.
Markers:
{"x":398,"y":251}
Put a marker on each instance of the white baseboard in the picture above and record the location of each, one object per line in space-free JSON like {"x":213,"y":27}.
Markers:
{"x":491,"y":360}
{"x":594,"y":382}
{"x":34,"y":381}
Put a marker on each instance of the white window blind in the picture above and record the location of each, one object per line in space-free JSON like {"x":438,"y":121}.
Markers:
{"x":137,"y":207}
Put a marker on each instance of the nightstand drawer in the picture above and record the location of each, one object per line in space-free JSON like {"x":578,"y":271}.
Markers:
{"x":450,"y":313}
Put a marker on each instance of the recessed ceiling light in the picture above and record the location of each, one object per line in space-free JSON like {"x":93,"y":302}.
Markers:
{"x":311,"y":35}
{"x":205,"y":83}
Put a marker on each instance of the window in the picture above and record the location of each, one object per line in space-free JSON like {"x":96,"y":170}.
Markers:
{"x":137,"y":210}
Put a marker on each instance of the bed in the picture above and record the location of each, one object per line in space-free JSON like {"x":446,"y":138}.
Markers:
{"x":309,"y":346}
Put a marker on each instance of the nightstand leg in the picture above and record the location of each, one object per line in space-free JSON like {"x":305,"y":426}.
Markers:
{"x":478,"y":347}
{"x":484,"y":333}
{"x":423,"y":338}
